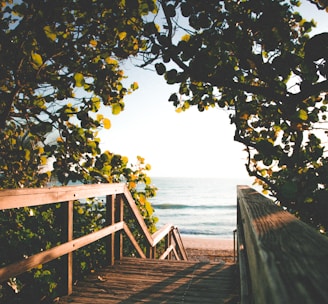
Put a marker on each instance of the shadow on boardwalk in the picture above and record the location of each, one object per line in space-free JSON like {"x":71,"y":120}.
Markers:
{"x":153,"y":281}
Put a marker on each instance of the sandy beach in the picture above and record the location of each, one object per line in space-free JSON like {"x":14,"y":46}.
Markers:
{"x":207,"y":243}
{"x":208,"y":249}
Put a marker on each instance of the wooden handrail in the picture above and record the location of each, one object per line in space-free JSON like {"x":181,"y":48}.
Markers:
{"x":56,"y":252}
{"x":286,"y":261}
{"x":116,"y":195}
{"x":161,"y":233}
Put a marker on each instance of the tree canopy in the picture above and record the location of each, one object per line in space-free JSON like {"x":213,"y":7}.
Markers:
{"x":59,"y":68}
{"x":258,"y":60}
{"x":60,"y":64}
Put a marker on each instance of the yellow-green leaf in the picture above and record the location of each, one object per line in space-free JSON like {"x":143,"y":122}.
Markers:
{"x":122,"y":35}
{"x":186,"y":105}
{"x":100,"y":117}
{"x":185,"y":37}
{"x":132,"y":185}
{"x":50,"y":33}
{"x":157,"y":27}
{"x":79,"y":79}
{"x":302,"y":114}
{"x":95,"y":103}
{"x":116,"y":109}
{"x":149,"y":208}
{"x":93,"y":43}
{"x":107,"y":123}
{"x":142,"y":199}
{"x":134,"y":86}
{"x":140,"y":159}
{"x":27,"y":154}
{"x":44,"y":160}
{"x":124,"y":159}
{"x":37,"y":59}
{"x":110,"y":60}
{"x":147,"y":180}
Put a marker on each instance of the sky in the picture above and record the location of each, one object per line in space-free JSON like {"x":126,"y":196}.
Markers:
{"x":187,"y":144}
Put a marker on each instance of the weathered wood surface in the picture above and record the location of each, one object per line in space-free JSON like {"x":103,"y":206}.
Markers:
{"x":135,"y":280}
{"x":287,"y":259}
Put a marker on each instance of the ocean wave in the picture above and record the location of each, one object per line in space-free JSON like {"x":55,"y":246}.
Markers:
{"x":181,"y":206}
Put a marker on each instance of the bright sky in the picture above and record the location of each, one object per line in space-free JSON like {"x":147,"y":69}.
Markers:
{"x":192,"y":143}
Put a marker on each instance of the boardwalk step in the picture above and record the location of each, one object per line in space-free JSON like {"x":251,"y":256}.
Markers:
{"x":153,"y":281}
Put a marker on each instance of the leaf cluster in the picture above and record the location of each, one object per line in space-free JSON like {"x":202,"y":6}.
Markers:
{"x":256,"y":59}
{"x":60,"y":66}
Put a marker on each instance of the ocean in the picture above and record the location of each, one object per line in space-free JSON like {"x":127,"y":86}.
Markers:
{"x":204,"y":207}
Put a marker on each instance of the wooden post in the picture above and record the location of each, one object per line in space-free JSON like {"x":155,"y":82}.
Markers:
{"x":110,"y":220}
{"x":119,"y":215}
{"x":65,"y":220}
{"x":150,"y":251}
{"x":70,"y":212}
{"x":168,"y":243}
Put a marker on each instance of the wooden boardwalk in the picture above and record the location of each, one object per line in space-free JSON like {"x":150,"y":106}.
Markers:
{"x":133,"y":280}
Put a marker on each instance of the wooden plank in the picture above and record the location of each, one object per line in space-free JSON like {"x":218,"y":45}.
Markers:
{"x":153,"y":281}
{"x":175,"y":253}
{"x":166,"y":253}
{"x":131,"y":203}
{"x":243,"y":266}
{"x":179,"y":243}
{"x":287,"y":259}
{"x":48,"y":255}
{"x":161,"y":233}
{"x":133,"y":240}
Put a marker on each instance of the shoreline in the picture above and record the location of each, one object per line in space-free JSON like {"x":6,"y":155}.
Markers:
{"x":209,"y":249}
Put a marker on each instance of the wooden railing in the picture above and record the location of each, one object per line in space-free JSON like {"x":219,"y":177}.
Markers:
{"x":116,"y":196}
{"x":282,"y":260}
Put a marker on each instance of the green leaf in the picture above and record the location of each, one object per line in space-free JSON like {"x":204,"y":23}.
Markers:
{"x":303,"y":115}
{"x":160,"y":68}
{"x":79,"y":80}
{"x":147,"y":180}
{"x":289,"y":190}
{"x":116,"y":109}
{"x":37,"y":59}
{"x":95,"y":103}
{"x":50,"y":33}
{"x":134,"y":86}
{"x":149,"y":208}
